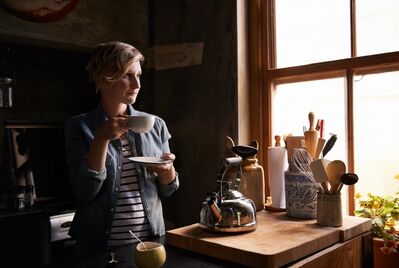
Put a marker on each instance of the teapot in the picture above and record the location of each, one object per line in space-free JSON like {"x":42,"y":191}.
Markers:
{"x":227,"y":209}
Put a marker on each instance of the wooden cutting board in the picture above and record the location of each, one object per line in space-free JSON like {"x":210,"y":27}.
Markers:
{"x":277,"y":240}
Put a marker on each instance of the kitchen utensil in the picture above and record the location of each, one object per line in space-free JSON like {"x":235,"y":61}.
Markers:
{"x":301,"y":160}
{"x":335,"y":169}
{"x":293,"y":142}
{"x":320,"y":127}
{"x":318,"y":124}
{"x":227,"y":210}
{"x":301,"y":163}
{"x":319,"y":148}
{"x":348,"y":179}
{"x":277,"y":142}
{"x":318,"y":168}
{"x":311,"y":137}
{"x":138,"y":239}
{"x":330,"y":143}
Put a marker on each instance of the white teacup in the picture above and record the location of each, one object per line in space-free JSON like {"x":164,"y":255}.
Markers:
{"x":140,"y":123}
{"x":149,"y":255}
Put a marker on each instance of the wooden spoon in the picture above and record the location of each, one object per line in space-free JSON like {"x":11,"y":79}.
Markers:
{"x":335,"y":170}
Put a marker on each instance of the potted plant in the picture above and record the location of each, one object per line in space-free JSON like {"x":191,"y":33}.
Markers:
{"x":384,"y":213}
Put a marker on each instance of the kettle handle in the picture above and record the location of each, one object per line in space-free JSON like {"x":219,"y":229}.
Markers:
{"x":229,"y":163}
{"x":232,"y":161}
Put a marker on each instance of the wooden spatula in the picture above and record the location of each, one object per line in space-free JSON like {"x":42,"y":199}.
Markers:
{"x":318,"y":168}
{"x":335,"y":169}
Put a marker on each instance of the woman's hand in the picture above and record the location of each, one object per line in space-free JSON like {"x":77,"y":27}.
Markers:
{"x":166,"y":172}
{"x":113,"y":128}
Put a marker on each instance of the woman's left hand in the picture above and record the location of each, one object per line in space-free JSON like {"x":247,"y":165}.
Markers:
{"x":166,"y":172}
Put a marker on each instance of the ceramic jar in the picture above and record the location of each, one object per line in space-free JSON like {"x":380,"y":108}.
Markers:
{"x":329,"y":209}
{"x":252,"y":184}
{"x":301,"y":195}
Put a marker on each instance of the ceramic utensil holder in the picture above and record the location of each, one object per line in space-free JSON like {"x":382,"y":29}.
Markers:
{"x":301,"y":195}
{"x":329,"y":209}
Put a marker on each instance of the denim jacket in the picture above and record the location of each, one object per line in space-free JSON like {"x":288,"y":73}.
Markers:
{"x":97,"y":192}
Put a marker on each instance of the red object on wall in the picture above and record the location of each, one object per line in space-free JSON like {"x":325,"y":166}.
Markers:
{"x":39,"y":10}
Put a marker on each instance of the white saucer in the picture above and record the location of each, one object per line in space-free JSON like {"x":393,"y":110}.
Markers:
{"x":149,"y":161}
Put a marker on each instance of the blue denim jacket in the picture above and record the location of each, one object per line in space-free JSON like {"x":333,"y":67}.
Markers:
{"x":97,"y":192}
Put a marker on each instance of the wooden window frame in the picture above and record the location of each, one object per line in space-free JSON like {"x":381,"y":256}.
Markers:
{"x":264,"y":76}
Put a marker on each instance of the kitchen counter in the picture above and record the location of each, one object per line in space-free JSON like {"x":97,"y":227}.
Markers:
{"x":281,"y":241}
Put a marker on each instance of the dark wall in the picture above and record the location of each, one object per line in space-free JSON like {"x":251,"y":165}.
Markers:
{"x":198,"y":102}
{"x":52,"y":84}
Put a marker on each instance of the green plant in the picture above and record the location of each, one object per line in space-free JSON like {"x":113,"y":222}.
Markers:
{"x":384,"y":213}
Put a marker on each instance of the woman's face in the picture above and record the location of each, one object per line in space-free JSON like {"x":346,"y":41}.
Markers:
{"x":126,"y":89}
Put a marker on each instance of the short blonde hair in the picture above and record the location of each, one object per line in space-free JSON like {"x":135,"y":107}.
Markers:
{"x":111,"y":61}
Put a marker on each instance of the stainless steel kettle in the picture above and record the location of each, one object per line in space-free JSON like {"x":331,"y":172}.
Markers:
{"x":228,"y":210}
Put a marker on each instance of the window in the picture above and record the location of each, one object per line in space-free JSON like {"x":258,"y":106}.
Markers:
{"x":299,"y":40}
{"x":377,"y":26}
{"x":339,"y":59}
{"x":376,"y":113}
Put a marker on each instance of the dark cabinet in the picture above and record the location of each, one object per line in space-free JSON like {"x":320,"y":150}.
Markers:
{"x":25,"y":239}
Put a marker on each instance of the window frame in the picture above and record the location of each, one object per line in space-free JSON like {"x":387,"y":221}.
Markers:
{"x":265,"y":75}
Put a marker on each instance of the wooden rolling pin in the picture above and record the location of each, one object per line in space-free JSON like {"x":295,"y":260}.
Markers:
{"x":312,"y":137}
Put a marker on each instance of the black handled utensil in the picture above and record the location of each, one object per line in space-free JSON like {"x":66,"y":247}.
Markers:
{"x":329,"y":144}
{"x":348,"y":179}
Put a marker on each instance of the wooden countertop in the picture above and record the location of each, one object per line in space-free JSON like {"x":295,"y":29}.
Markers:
{"x":277,"y":240}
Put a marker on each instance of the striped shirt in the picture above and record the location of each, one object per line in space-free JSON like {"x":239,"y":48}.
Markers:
{"x":129,"y":212}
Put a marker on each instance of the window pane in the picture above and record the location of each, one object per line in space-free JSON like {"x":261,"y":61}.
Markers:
{"x":377,"y":24}
{"x":326,"y":98}
{"x":376,"y":113}
{"x":310,"y":31}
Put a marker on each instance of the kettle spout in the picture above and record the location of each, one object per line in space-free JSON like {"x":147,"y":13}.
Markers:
{"x":215,"y":211}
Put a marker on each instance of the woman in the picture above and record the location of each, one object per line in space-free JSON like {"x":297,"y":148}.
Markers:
{"x":114,"y":194}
